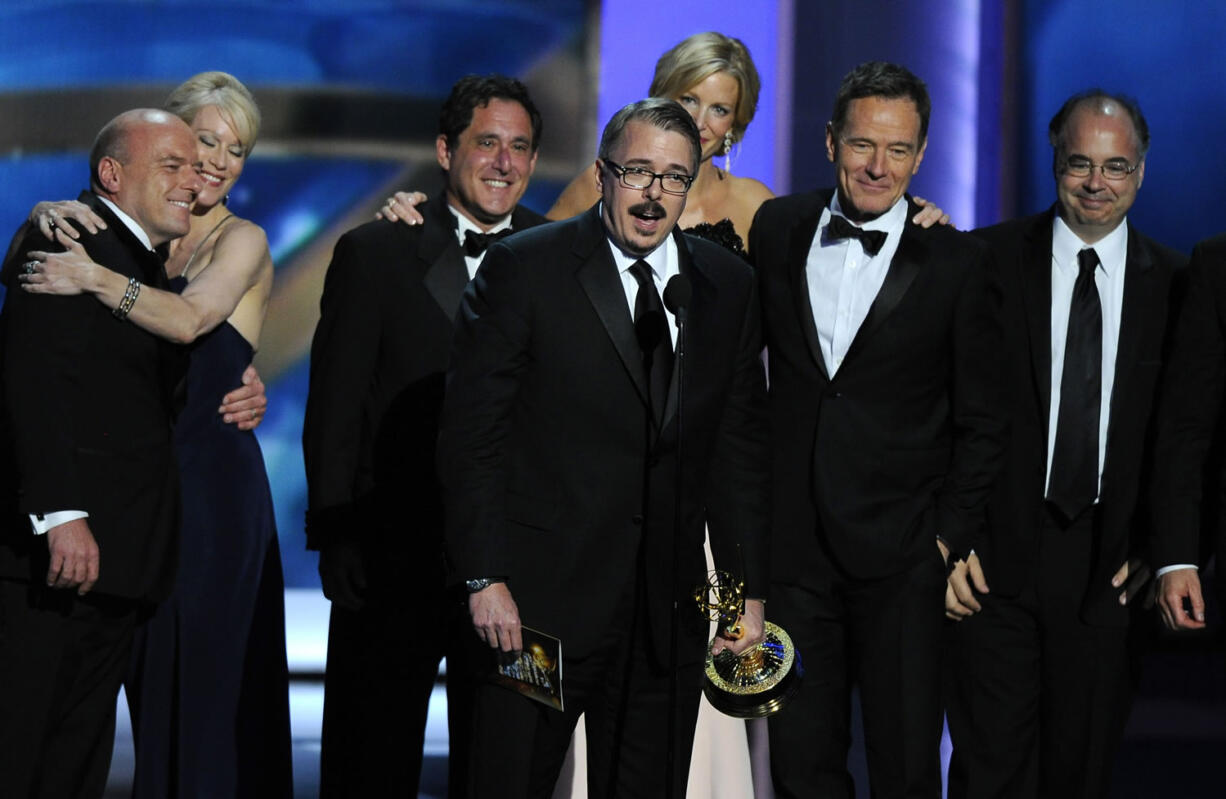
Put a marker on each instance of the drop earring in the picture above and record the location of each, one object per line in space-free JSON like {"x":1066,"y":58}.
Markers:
{"x":728,"y":152}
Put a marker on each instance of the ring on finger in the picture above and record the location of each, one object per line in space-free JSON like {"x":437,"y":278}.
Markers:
{"x":30,"y":267}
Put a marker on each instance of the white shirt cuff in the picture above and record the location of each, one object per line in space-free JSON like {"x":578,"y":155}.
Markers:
{"x":42,"y":522}
{"x":1173,"y":567}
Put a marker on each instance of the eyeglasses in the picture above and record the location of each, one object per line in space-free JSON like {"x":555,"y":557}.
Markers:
{"x":1080,"y":167}
{"x":634,"y":177}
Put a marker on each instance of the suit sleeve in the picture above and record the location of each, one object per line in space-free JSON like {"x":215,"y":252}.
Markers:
{"x":343,"y":359}
{"x":488,"y":360}
{"x":738,"y":507}
{"x":45,"y":339}
{"x":977,"y":404}
{"x":1190,"y":404}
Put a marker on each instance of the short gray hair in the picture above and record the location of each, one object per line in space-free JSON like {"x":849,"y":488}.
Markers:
{"x":659,"y":113}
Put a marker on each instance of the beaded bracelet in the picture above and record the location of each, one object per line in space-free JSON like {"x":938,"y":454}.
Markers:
{"x":129,"y":299}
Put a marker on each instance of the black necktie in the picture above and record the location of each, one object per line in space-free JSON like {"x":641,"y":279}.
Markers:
{"x":1073,"y":486}
{"x":475,"y":244}
{"x":870,"y":240}
{"x":651,"y":328}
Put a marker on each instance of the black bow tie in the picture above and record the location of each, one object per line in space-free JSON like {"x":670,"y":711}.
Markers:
{"x":475,"y":244}
{"x":870,"y":240}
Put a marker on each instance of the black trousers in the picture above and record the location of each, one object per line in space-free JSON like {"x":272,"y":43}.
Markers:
{"x":1037,"y":698}
{"x":382,"y":665}
{"x":518,"y":745}
{"x":62,"y":659}
{"x":884,"y":636}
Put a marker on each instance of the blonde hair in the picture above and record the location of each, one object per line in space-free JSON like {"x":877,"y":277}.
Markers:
{"x":227,"y":93}
{"x":700,"y":56}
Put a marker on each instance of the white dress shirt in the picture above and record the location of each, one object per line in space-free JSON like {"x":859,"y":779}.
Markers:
{"x":844,"y":280}
{"x":1112,"y":253}
{"x":664,"y":263}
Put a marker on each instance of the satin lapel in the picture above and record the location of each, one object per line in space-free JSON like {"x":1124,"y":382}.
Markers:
{"x":800,"y":239}
{"x":153,"y":263}
{"x":446,"y":273}
{"x":1139,"y":323}
{"x":598,"y":276}
{"x":912,"y":252}
{"x":1035,"y":275}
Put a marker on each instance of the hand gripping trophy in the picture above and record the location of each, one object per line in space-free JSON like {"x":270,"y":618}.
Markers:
{"x":759,"y":681}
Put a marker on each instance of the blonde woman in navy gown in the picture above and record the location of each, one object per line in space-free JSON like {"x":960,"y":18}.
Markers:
{"x":208,"y":689}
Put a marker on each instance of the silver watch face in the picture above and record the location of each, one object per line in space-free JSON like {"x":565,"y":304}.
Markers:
{"x":477,"y":585}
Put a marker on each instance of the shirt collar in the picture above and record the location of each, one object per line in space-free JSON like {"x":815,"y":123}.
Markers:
{"x":662,"y":260}
{"x":464,"y":224}
{"x":1112,"y":249}
{"x":129,"y":223}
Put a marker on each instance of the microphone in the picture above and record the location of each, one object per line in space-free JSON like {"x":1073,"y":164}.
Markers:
{"x":677,"y":297}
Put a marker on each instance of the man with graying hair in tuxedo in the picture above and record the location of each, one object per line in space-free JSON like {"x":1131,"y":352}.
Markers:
{"x":1041,"y":669}
{"x":561,"y":450}
{"x":90,"y":536}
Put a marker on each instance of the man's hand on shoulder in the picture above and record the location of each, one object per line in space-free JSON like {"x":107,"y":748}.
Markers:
{"x":74,"y":556}
{"x":495,"y":617}
{"x":1176,"y":587}
{"x":929,"y":214}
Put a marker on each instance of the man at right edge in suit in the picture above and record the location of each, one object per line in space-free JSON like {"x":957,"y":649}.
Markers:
{"x":89,"y":538}
{"x":882,"y":340}
{"x":1041,"y":672}
{"x":1188,"y":492}
{"x":376,"y":516}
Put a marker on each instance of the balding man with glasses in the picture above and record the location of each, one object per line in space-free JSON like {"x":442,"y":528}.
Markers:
{"x":1041,"y":669}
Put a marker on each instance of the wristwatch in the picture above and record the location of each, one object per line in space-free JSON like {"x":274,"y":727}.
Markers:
{"x":481,"y":583}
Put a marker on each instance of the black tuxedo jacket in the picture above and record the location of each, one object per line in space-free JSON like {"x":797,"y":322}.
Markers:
{"x":1189,"y":496}
{"x":1008,"y":549}
{"x":378,"y":361}
{"x":901,"y":445}
{"x":553,"y":478}
{"x":87,"y":421}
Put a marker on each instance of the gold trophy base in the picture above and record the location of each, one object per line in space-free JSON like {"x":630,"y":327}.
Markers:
{"x":756,"y":683}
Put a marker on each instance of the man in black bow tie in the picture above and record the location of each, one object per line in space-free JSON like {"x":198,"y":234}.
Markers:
{"x":1040,"y":659}
{"x":882,"y":338}
{"x":375,"y":513}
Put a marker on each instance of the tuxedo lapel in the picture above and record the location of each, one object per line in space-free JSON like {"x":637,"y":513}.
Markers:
{"x":152,"y":264}
{"x":597,"y":275}
{"x":1035,"y":275}
{"x":898,"y":278}
{"x":800,"y":239}
{"x":1139,"y":323}
{"x":446,"y":273}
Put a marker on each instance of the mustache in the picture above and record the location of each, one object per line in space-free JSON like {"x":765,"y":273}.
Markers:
{"x":649,"y":208}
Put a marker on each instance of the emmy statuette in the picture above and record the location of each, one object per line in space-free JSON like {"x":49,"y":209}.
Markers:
{"x":759,"y":681}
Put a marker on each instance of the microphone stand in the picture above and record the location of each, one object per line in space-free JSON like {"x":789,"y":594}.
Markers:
{"x":676,"y":299}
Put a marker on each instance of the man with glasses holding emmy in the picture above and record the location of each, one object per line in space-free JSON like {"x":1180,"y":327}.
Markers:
{"x":570,"y":431}
{"x":1041,"y":670}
